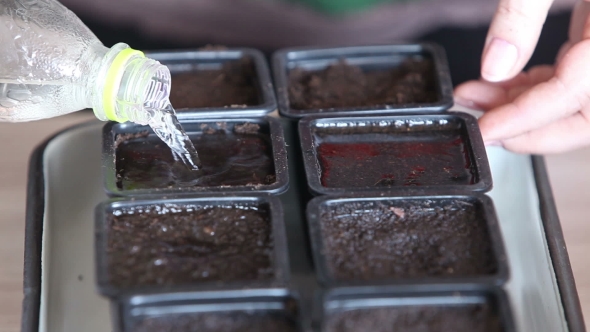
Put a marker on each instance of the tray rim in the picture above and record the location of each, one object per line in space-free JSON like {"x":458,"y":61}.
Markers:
{"x":34,"y":215}
{"x":280,"y":59}
{"x":556,"y":244}
{"x":123,"y":309}
{"x":279,"y":159}
{"x":268,"y":102}
{"x":280,"y":255}
{"x":485,"y":203}
{"x":469,"y":126}
{"x":498,"y":296}
{"x":35,"y":208}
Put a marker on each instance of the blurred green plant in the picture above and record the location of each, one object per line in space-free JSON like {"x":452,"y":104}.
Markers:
{"x":343,"y":7}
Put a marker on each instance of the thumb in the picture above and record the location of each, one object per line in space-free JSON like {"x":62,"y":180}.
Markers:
{"x":512,"y":37}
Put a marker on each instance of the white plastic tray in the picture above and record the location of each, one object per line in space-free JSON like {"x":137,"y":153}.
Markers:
{"x":65,"y":300}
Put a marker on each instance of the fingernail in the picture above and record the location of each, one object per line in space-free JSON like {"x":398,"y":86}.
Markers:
{"x":500,"y":58}
{"x":493,"y":143}
{"x":466,"y":103}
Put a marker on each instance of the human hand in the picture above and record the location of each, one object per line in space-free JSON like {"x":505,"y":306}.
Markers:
{"x":544,"y":110}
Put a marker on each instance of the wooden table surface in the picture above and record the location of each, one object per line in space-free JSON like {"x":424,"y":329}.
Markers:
{"x":570,"y":177}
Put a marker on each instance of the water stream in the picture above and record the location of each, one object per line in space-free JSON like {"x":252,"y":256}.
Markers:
{"x":168,"y":129}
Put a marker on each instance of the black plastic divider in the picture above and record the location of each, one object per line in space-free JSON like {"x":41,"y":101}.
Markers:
{"x":303,"y":280}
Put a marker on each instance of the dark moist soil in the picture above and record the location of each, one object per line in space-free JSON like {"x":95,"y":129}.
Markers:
{"x":441,"y":159}
{"x":126,"y":137}
{"x":217,"y":322}
{"x":416,"y":319}
{"x":374,"y":240}
{"x":179,"y":245}
{"x":242,"y":157}
{"x":345,"y":86}
{"x":234,"y":85}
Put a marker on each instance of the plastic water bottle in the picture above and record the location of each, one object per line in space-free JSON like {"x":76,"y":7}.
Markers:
{"x":52,"y":64}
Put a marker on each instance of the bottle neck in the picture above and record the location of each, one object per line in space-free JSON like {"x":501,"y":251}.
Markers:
{"x":129,"y":86}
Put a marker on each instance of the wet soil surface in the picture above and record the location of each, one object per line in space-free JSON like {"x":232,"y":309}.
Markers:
{"x":239,"y":157}
{"x":438,"y":158}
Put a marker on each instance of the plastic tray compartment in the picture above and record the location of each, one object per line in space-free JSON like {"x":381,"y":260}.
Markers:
{"x":366,"y":95}
{"x":242,"y":84}
{"x":450,"y":240}
{"x":159,"y":245}
{"x":272,"y":310}
{"x":408,"y":309}
{"x":401,"y":154}
{"x":239,"y":155}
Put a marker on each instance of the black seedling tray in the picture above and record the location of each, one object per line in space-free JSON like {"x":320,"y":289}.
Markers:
{"x":383,"y":308}
{"x":398,"y":154}
{"x":369,"y":59}
{"x":376,"y":240}
{"x":250,"y":67}
{"x":198,"y":241}
{"x":253,"y":308}
{"x":259,"y":137}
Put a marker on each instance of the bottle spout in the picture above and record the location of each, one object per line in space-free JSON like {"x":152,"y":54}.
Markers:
{"x":128,"y":83}
{"x":165,"y":124}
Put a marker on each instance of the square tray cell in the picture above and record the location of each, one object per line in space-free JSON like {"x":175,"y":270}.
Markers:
{"x":411,"y":153}
{"x":162,"y":244}
{"x":237,"y":155}
{"x":219,"y":82}
{"x":362,"y":80}
{"x":418,"y":311}
{"x":406,"y":240}
{"x":242,"y":311}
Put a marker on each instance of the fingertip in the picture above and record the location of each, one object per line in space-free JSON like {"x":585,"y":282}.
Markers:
{"x":463,"y":94}
{"x":480,"y":94}
{"x":488,"y":127}
{"x":464,"y":88}
{"x":493,"y":143}
{"x":467,"y":103}
{"x":524,"y":144}
{"x":499,"y":61}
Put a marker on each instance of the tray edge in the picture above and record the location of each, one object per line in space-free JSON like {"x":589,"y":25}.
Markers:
{"x":34,"y":215}
{"x":557,"y":248}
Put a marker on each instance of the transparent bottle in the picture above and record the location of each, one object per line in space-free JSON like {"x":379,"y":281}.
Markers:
{"x":52,"y":64}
